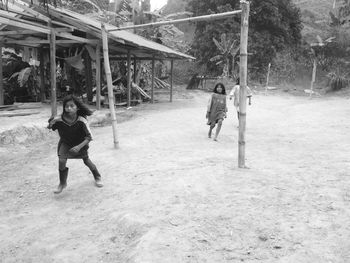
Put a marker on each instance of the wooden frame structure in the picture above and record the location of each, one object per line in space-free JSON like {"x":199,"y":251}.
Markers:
{"x":33,"y":26}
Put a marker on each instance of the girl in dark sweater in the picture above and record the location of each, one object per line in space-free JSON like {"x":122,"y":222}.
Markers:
{"x":75,"y":136}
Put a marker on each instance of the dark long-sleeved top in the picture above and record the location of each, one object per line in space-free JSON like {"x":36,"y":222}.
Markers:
{"x":74,"y":133}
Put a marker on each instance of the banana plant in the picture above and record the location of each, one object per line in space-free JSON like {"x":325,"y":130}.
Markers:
{"x":229,"y":49}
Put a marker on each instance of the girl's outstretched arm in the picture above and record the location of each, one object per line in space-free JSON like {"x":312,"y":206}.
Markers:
{"x":78,"y":147}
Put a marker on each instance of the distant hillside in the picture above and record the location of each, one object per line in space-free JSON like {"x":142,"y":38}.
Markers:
{"x":315,"y":17}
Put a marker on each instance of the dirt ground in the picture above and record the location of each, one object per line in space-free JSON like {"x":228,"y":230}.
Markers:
{"x":173,"y":195}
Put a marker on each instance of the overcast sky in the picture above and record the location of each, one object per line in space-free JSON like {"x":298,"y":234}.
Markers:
{"x":156,"y":4}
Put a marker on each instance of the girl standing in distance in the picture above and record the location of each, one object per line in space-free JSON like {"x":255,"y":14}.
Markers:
{"x":216,"y":111}
{"x":75,"y":136}
{"x":235,"y":94}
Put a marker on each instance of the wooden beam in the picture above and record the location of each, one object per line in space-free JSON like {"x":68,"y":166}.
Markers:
{"x":80,"y":39}
{"x":98,"y":77}
{"x":243,"y":83}
{"x":38,"y":42}
{"x":19,"y":32}
{"x":171,"y":79}
{"x":178,"y":21}
{"x":129,"y":80}
{"x":25,"y":26}
{"x":5,"y":15}
{"x":53,"y":72}
{"x":2,"y":92}
{"x":109,"y":85}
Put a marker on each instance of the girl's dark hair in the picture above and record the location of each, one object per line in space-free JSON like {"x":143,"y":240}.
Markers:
{"x":223,"y":92}
{"x":237,"y":81}
{"x":83,"y":110}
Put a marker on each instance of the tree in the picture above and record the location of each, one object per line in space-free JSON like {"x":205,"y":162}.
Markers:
{"x":274,"y":26}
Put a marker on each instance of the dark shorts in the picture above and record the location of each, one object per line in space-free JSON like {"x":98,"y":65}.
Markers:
{"x":63,"y":152}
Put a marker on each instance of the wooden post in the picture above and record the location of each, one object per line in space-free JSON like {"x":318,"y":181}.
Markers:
{"x":53,"y":71}
{"x":98,"y":77}
{"x":109,"y":85}
{"x":313,"y":77}
{"x":135,"y":69}
{"x":243,"y":82}
{"x":171,"y":80}
{"x":88,"y":75}
{"x":2,"y":97}
{"x":152,"y":86}
{"x":267,"y":78}
{"x":42,"y":75}
{"x":128,"y":94}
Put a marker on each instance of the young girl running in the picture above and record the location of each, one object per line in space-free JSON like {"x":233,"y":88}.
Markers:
{"x":75,"y":136}
{"x":216,"y":111}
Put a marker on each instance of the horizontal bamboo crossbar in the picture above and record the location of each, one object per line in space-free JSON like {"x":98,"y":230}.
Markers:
{"x":183,"y":20}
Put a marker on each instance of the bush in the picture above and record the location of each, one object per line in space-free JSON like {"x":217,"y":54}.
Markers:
{"x":337,"y":81}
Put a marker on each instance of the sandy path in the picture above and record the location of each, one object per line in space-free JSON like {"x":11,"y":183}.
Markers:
{"x":173,"y":195}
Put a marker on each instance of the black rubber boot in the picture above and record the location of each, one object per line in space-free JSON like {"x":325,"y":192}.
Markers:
{"x":97,"y":177}
{"x":63,"y":181}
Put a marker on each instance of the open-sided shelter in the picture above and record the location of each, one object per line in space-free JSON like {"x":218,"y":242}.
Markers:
{"x":52,"y":29}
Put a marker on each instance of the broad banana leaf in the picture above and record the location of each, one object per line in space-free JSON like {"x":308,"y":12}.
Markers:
{"x":218,"y":45}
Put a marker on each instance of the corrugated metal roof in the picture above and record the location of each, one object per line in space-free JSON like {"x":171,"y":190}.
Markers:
{"x":126,"y":36}
{"x":140,"y":45}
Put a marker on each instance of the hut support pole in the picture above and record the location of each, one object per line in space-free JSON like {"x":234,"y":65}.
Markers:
{"x":243,"y":83}
{"x":171,"y":79}
{"x":2,"y":98}
{"x":42,"y":75}
{"x":98,"y":77}
{"x":109,"y":85}
{"x":129,"y":81}
{"x":88,"y":75}
{"x":52,"y":37}
{"x":152,"y":87}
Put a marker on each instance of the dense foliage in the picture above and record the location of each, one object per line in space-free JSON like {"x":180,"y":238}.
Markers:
{"x":275,"y":25}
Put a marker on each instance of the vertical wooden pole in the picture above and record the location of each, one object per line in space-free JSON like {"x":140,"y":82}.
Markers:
{"x":42,"y":75}
{"x":267,"y":78}
{"x":171,"y":80}
{"x":2,"y":97}
{"x":243,"y":82}
{"x":109,"y":85}
{"x":128,"y":95}
{"x":53,"y":71}
{"x":152,"y":86}
{"x":88,"y":75}
{"x":98,"y":77}
{"x":135,"y":69}
{"x":313,"y":77}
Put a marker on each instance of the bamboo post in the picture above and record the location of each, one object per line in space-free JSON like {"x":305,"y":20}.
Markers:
{"x":267,"y":78}
{"x":313,"y":77}
{"x":171,"y":79}
{"x":109,"y":85}
{"x":42,"y":75}
{"x":52,"y":37}
{"x":2,"y":97}
{"x":128,"y":94}
{"x":135,"y":69}
{"x":98,"y":77}
{"x":243,"y":82}
{"x":152,"y":87}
